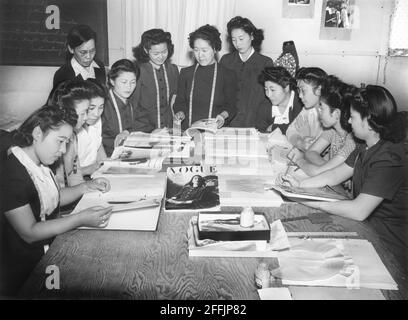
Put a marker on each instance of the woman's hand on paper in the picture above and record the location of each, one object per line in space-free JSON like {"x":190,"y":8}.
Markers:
{"x":287,"y":179}
{"x":179,"y":116}
{"x":100,"y":184}
{"x":95,"y":217}
{"x":295,"y":155}
{"x":121,"y":137}
{"x":220,"y":119}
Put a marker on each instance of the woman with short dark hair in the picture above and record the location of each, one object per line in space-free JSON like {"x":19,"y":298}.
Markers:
{"x":30,"y":196}
{"x":119,"y":115}
{"x":284,"y":103}
{"x":247,"y":63}
{"x":206,"y":89}
{"x":157,"y":85}
{"x":80,"y":57}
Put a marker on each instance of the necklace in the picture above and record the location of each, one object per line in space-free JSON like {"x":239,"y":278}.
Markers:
{"x":190,"y":113}
{"x":158,"y":93}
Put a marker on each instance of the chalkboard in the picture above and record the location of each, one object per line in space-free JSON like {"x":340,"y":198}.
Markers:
{"x":26,"y":40}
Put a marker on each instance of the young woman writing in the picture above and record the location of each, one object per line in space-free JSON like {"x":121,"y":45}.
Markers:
{"x":334,"y":114}
{"x":306,"y":128}
{"x":31,"y":197}
{"x":378,"y":169}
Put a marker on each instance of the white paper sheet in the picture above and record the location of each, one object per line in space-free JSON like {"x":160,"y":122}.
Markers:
{"x":247,"y":190}
{"x":129,"y":189}
{"x":370,"y":271}
{"x":274,"y":294}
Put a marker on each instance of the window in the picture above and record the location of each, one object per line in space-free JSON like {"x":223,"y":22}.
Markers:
{"x":398,"y":45}
{"x":179,"y":17}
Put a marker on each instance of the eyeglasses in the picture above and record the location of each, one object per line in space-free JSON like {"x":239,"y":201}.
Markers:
{"x":86,"y":52}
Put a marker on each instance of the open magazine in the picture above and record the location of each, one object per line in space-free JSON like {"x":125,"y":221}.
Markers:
{"x":192,"y":188}
{"x":209,"y":125}
{"x":322,"y":194}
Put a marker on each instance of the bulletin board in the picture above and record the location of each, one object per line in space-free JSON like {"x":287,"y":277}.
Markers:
{"x":26,"y":41}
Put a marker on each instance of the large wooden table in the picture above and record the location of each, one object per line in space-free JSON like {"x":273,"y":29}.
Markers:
{"x":99,"y":264}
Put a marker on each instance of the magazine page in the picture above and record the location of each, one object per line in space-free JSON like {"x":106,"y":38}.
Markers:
{"x":323,"y":194}
{"x":192,"y":188}
{"x":236,"y":133}
{"x":209,"y":125}
{"x":136,"y":167}
{"x":157,"y":139}
{"x":136,"y":202}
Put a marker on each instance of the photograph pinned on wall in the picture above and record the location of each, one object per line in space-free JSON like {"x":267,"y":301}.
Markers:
{"x":298,"y":9}
{"x":299,"y":2}
{"x":339,"y":17}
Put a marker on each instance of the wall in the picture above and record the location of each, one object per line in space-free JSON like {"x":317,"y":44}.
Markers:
{"x":359,"y":60}
{"x":362,"y":59}
{"x":24,"y":89}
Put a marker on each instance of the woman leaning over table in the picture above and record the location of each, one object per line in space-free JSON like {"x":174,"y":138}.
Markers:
{"x":31,"y":196}
{"x":206,"y":89}
{"x":306,"y":128}
{"x":74,"y":94}
{"x":119,"y":116}
{"x":247,"y":63}
{"x":90,"y":149}
{"x":284,"y":105}
{"x":378,"y":168}
{"x":157,"y":85}
{"x":334,"y":114}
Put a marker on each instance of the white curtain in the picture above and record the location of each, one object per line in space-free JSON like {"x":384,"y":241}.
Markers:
{"x":179,"y":17}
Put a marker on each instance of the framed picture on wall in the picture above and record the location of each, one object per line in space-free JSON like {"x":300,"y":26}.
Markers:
{"x":339,"y":17}
{"x":295,"y":9}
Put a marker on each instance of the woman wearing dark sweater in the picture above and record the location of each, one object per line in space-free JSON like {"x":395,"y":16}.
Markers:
{"x":81,"y":63}
{"x":206,"y":89}
{"x":284,"y":103}
{"x":247,"y":63}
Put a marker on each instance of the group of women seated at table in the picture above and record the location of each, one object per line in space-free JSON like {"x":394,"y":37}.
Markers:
{"x":338,"y":132}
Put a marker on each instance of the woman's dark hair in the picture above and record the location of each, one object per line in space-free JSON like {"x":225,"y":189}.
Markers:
{"x":47,"y":118}
{"x":150,"y":38}
{"x":77,"y":36}
{"x":201,"y":181}
{"x":378,"y":105}
{"x":246,"y":25}
{"x":208,"y":33}
{"x":337,"y":95}
{"x":70,"y":92}
{"x":120,"y":66}
{"x":278,"y":75}
{"x":312,"y":75}
{"x":96,"y":88}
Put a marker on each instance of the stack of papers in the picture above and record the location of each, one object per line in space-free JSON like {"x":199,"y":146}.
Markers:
{"x":136,"y":202}
{"x":228,"y":145}
{"x":247,"y":191}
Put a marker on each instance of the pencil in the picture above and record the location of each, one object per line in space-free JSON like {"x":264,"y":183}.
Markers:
{"x":287,"y":169}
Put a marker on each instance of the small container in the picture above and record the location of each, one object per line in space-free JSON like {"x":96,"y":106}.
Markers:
{"x":262,"y":276}
{"x":247,"y":217}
